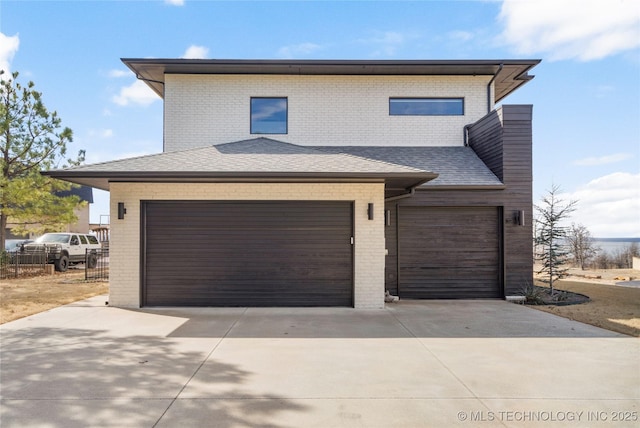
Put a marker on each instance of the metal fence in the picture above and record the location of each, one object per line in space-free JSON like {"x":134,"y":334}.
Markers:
{"x":14,"y":264}
{"x":96,"y":264}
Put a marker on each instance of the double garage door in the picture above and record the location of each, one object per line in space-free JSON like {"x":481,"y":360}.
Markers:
{"x":247,"y":253}
{"x":449,"y":252}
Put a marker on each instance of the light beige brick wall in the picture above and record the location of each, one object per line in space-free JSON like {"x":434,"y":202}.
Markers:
{"x":323,"y":110}
{"x":369,"y":246}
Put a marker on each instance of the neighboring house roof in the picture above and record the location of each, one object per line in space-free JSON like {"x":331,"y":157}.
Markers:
{"x":456,"y":166}
{"x":259,"y":159}
{"x":510,"y":74}
{"x":84,"y":192}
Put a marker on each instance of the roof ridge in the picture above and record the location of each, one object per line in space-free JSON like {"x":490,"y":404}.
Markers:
{"x":271,"y":140}
{"x":372,"y":160}
{"x":150,"y":155}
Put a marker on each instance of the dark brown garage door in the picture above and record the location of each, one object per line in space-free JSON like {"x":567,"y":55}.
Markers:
{"x":449,"y":253}
{"x":290,"y":253}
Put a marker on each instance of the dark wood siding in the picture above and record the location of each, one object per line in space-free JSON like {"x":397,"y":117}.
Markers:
{"x":503,"y":140}
{"x":449,"y":252}
{"x":246,"y":253}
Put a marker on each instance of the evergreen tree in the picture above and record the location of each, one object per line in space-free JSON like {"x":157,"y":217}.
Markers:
{"x":551,"y":236}
{"x":31,"y":140}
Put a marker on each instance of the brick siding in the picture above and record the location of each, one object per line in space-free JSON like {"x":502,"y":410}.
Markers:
{"x":322,"y":110}
{"x":369,"y":257}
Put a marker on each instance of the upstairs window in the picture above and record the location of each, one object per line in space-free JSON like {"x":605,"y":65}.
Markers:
{"x":268,"y":115}
{"x":426,"y":106}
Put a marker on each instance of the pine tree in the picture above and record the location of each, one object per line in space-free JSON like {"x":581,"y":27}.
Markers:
{"x":32,"y":139}
{"x":550,"y":237}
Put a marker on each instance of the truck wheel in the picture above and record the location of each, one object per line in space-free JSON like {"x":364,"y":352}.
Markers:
{"x":92,"y":261}
{"x":62,"y":264}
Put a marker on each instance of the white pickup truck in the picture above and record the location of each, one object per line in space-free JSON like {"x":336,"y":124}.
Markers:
{"x":65,"y":249}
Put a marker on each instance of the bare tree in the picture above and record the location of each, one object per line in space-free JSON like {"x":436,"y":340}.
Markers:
{"x":581,"y":245}
{"x":621,"y":258}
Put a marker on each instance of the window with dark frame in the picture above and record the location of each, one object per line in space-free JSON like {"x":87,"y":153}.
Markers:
{"x":426,"y":106}
{"x":269,"y":115}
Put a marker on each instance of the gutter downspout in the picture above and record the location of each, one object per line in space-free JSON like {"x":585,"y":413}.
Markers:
{"x":467,"y":127}
{"x":412,"y":192}
{"x":465,"y":130}
{"x":489,"y":87}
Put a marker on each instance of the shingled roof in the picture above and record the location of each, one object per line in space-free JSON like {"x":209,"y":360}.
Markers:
{"x":257,"y":159}
{"x":263,"y":159}
{"x":456,"y":166}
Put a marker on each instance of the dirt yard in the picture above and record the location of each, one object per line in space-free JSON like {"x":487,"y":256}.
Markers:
{"x":27,"y":296}
{"x":612,"y":307}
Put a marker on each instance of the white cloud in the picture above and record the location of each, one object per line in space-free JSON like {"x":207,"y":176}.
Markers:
{"x":603,"y":160}
{"x":136,"y":93}
{"x":388,"y":42}
{"x":460,"y":36}
{"x":571,"y":29}
{"x":298,"y":50}
{"x":603,"y":91}
{"x":8,"y":48}
{"x":119,"y":73}
{"x":609,"y":206}
{"x":174,"y":2}
{"x":101,"y":133}
{"x":196,"y":52}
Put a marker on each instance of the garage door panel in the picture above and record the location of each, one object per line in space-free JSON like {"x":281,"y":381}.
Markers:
{"x":265,"y":293}
{"x":289,"y":253}
{"x":449,"y":253}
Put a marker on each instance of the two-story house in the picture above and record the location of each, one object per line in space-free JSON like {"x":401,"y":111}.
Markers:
{"x":323,"y":183}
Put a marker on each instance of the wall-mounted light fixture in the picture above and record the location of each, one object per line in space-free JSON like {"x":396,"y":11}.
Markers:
{"x":370,"y":211}
{"x":121,"y":210}
{"x":387,"y":217}
{"x":518,"y":217}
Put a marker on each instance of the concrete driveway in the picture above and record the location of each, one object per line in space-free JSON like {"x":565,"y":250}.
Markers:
{"x":415,"y":364}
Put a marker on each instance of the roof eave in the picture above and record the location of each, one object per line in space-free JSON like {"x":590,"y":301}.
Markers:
{"x":102,"y":180}
{"x":152,"y":71}
{"x":430,"y":187}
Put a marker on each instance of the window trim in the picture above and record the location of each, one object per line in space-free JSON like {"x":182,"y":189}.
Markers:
{"x":461,"y":99}
{"x":286,"y":118}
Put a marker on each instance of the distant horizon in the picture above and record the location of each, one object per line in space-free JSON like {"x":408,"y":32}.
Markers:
{"x":617,"y":239}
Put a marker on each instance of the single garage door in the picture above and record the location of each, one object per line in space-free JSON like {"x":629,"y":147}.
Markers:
{"x":449,"y":253}
{"x":230,"y":253}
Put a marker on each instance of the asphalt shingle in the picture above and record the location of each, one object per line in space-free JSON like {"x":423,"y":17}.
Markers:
{"x":260,"y":155}
{"x":455,"y":166}
{"x":264,"y":157}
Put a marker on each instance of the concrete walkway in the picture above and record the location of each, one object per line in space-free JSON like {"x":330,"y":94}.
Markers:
{"x":415,"y":364}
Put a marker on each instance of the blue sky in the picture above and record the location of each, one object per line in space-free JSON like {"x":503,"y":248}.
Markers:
{"x":586,"y":93}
